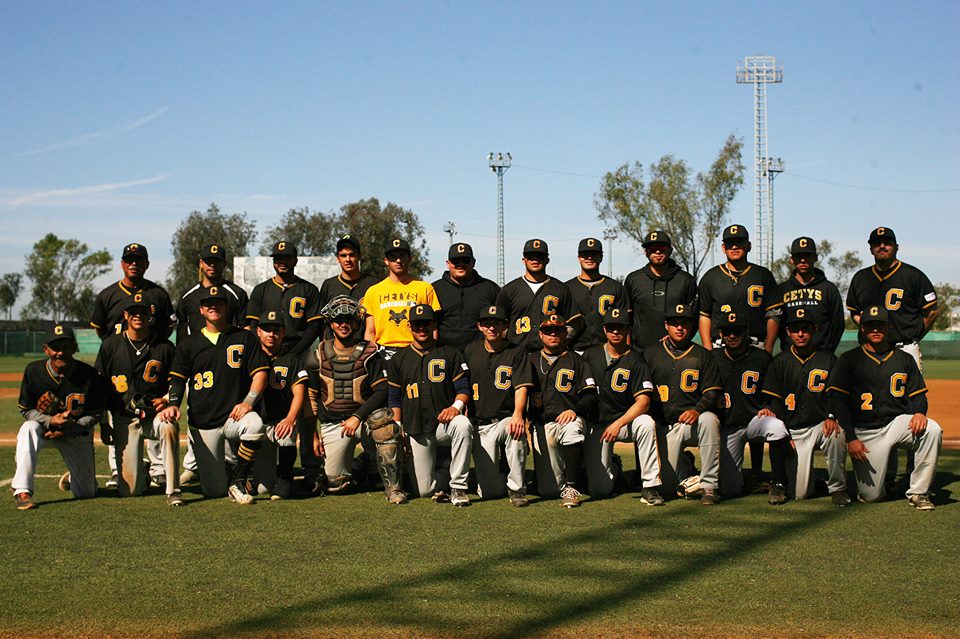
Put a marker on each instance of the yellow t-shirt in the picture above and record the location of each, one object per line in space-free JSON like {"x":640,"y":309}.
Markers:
{"x":389,"y":302}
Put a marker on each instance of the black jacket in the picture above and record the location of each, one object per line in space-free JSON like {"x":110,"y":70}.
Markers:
{"x":650,"y":295}
{"x":460,"y":307}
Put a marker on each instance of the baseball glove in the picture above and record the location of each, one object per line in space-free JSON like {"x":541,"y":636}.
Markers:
{"x":690,"y":488}
{"x":49,"y":404}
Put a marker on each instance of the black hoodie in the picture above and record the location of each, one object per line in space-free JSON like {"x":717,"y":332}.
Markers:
{"x":822,"y":295}
{"x":649,"y":294}
{"x":460,"y":307}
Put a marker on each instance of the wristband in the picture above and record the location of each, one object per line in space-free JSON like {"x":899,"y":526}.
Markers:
{"x":251,"y":398}
{"x":458,"y":404}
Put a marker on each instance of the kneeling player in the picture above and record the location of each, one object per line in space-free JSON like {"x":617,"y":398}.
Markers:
{"x":688,"y":385}
{"x":61,"y":400}
{"x":429,"y":387}
{"x":796,"y":387}
{"x":880,"y":400}
{"x":217,"y":362}
{"x":625,"y":391}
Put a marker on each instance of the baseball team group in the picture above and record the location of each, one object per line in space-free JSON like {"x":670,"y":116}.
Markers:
{"x":427,"y":378}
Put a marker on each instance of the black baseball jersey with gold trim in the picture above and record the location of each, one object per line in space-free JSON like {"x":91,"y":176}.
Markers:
{"x":797,"y":387}
{"x":904,"y":291}
{"x":79,"y":389}
{"x":335,"y":286}
{"x":558,"y":385}
{"x":680,"y":379}
{"x":218,"y":375}
{"x":286,"y":371}
{"x":494,"y":377}
{"x":591,"y":300}
{"x":526,"y":308}
{"x":299,"y":301}
{"x":876,"y":387}
{"x":751,"y":292}
{"x":742,"y":379}
{"x":110,"y":303}
{"x":620,"y":381}
{"x":426,"y":383}
{"x":127,"y":373}
{"x":823,"y":305}
{"x":189,"y":319}
{"x":650,"y":295}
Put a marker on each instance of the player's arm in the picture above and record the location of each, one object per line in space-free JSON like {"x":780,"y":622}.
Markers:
{"x":29,"y":401}
{"x":706,"y":328}
{"x":299,"y":389}
{"x":257,"y":385}
{"x":309,"y":336}
{"x":461,"y":386}
{"x":587,"y":396}
{"x":641,"y":406}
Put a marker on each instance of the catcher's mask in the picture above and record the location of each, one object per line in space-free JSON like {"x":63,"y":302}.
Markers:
{"x":343,"y":307}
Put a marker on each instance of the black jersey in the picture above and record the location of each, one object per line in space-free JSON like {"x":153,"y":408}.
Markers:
{"x":526,"y":308}
{"x":460,"y":306}
{"x":189,"y":319}
{"x":823,"y":304}
{"x":218,"y":375}
{"x":286,"y":371}
{"x":681,"y":378}
{"x":494,"y":377}
{"x":798,"y":386}
{"x":742,"y":379}
{"x":132,"y":369}
{"x":876,"y":387}
{"x":335,"y":286}
{"x":904,"y":291}
{"x":425,"y":380}
{"x":558,"y":385}
{"x":751,"y":292}
{"x":650,"y":294}
{"x":112,"y":301}
{"x":620,"y":380}
{"x":591,"y":300}
{"x":299,"y":301}
{"x":78,"y":389}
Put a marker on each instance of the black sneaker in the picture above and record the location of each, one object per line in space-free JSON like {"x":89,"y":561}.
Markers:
{"x":651,"y":497}
{"x":518,"y":499}
{"x":709,"y":497}
{"x":24,"y":501}
{"x":777,"y":495}
{"x":840,"y":498}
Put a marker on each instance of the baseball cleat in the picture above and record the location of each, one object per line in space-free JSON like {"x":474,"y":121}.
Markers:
{"x":64,"y":483}
{"x":777,"y":495}
{"x":570,"y":497}
{"x":281,"y":489}
{"x":396,"y":497}
{"x":840,"y":498}
{"x":651,"y":497}
{"x":158,"y":481}
{"x":458,"y":497}
{"x":440,"y":497}
{"x":239,"y":495}
{"x":188,"y":477}
{"x":175,"y":499}
{"x":24,"y":501}
{"x":113,"y":481}
{"x":709,"y":497}
{"x":339,"y":484}
{"x":921,"y":502}
{"x":518,"y":499}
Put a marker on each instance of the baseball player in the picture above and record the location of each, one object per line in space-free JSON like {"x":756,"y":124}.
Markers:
{"x":809,"y":288}
{"x":227,"y":373}
{"x":592,"y":294}
{"x":624,"y":402}
{"x":347,"y":384}
{"x":795,"y":392}
{"x":880,"y":400}
{"x":501,"y":379}
{"x":743,"y":370}
{"x":351,"y":281}
{"x":463,"y":295}
{"x":212,"y":262}
{"x":60,"y":400}
{"x":284,"y":398}
{"x":534,"y":296}
{"x":688,"y":386}
{"x":135,"y":366}
{"x":428,"y":390}
{"x":659,"y":285}
{"x":564,"y":395}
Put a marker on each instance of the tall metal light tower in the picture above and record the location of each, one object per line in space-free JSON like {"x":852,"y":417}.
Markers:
{"x":499,"y":165}
{"x":772,"y":167}
{"x":450,"y":228}
{"x":610,"y":235}
{"x":760,"y":70}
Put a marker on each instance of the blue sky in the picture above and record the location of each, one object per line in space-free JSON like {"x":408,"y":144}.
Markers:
{"x":119,"y":118}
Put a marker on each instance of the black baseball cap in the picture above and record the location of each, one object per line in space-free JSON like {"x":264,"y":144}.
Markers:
{"x":874,"y":314}
{"x":797,"y":315}
{"x":213,"y":251}
{"x":214,"y":293}
{"x":422,"y":313}
{"x":284,"y":248}
{"x":616,"y":315}
{"x":803,"y":245}
{"x":736,"y":232}
{"x":58,"y":332}
{"x":657,"y":237}
{"x":553,"y":320}
{"x":348,"y":240}
{"x":732,"y":320}
{"x":535,"y":246}
{"x":493,"y":312}
{"x":461,"y":250}
{"x":397,"y":244}
{"x":134,"y":250}
{"x":681,"y":310}
{"x":270,"y":318}
{"x":590,"y":245}
{"x":136,"y":301}
{"x":882,"y":234}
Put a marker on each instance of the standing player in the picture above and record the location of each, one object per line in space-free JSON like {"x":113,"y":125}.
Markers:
{"x":135,"y":366}
{"x":564,"y":395}
{"x":659,"y":285}
{"x":212,"y":262}
{"x":688,"y":384}
{"x":501,"y":378}
{"x":429,"y":389}
{"x":592,"y":294}
{"x":533,"y":296}
{"x":351,"y":281}
{"x":740,"y":287}
{"x":880,"y":400}
{"x":227,"y":372}
{"x":61,"y":400}
{"x":809,"y":288}
{"x":795,"y":389}
{"x":463,"y":294}
{"x":625,"y":391}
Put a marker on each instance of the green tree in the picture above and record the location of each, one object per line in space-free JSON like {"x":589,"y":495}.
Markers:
{"x":61,"y":273}
{"x":693,"y":209}
{"x":234,"y":232}
{"x":374,"y":226}
{"x":11,"y":285}
{"x":948,"y":299}
{"x":312,"y":231}
{"x":838,"y":268}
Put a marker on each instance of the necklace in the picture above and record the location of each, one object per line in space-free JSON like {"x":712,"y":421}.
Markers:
{"x":133,"y":345}
{"x":548,"y":359}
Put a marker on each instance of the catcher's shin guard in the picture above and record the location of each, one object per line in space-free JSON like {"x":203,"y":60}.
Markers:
{"x":388,"y":437}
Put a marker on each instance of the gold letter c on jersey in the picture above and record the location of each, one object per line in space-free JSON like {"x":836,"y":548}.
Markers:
{"x":564,"y":382}
{"x":893,"y":299}
{"x":297,"y":305}
{"x":898,"y":384}
{"x":436,"y":370}
{"x":234,"y":355}
{"x":755,"y":296}
{"x":619,"y":379}
{"x":689,"y":379}
{"x":816,"y":380}
{"x":748,"y":383}
{"x":502,"y":376}
{"x":550,"y":303}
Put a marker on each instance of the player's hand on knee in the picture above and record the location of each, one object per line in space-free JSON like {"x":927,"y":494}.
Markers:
{"x":170,"y":414}
{"x":610,"y":433}
{"x":106,"y":434}
{"x":566,"y":417}
{"x":349,"y":426}
{"x":857,"y":450}
{"x":830,"y":427}
{"x":447,"y":414}
{"x":318,"y":449}
{"x":518,"y":427}
{"x":918,"y":424}
{"x":239,"y":411}
{"x":53,"y":433}
{"x":689,"y":417}
{"x":766,"y":412}
{"x":58,"y":420}
{"x":284,"y":427}
{"x":160,"y":403}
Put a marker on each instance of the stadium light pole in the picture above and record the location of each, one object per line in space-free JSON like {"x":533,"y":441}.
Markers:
{"x":450,"y":228}
{"x":499,"y":163}
{"x":610,"y":235}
